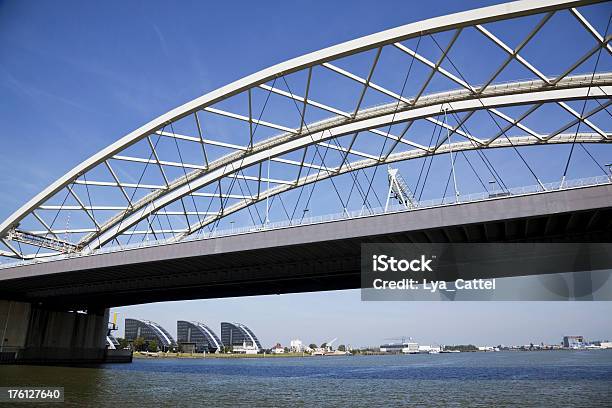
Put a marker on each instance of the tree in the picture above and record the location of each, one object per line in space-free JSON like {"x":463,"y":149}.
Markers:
{"x":138,"y":343}
{"x":153,"y":346}
{"x":123,"y":343}
{"x":323,"y":345}
{"x":342,"y":347}
{"x":462,"y":347}
{"x":312,"y":346}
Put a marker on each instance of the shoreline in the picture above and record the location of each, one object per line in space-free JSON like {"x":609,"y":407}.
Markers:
{"x":147,"y":355}
{"x":193,"y":356}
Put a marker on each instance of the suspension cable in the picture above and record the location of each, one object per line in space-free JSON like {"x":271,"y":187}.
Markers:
{"x":216,"y":222}
{"x":580,"y":119}
{"x":195,"y":206}
{"x":93,"y":214}
{"x":496,"y":176}
{"x":50,"y":225}
{"x":139,"y":181}
{"x":429,"y":166}
{"x":428,"y":156}
{"x":494,"y":121}
{"x":316,"y":147}
{"x":394,"y":114}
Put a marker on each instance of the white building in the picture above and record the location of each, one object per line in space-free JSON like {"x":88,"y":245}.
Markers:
{"x":296,"y":346}
{"x":277,"y":349}
{"x":606,"y":344}
{"x":410,"y":348}
{"x":425,"y":349}
{"x":244,"y":349}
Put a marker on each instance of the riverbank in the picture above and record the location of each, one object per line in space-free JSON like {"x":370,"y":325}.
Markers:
{"x":160,"y":354}
{"x":170,"y":355}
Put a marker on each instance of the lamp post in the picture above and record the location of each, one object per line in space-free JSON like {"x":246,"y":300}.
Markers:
{"x":304,"y":214}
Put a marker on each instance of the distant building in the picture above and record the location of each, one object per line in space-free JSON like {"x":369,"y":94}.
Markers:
{"x":573,"y":341}
{"x":198,"y":337}
{"x":244,"y":348}
{"x":606,"y":344}
{"x":391,"y":348}
{"x":277,"y":349}
{"x":427,"y":349}
{"x":406,"y":348}
{"x":239,"y":337}
{"x":149,"y":331}
{"x":430,"y":349}
{"x":296,"y":346}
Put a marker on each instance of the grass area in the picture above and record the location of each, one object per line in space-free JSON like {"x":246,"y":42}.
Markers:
{"x":138,"y":354}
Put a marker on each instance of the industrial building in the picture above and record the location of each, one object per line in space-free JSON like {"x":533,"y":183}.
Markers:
{"x":197,"y":337}
{"x":149,"y":331}
{"x":573,"y":341}
{"x":404,"y":347}
{"x":240,"y":338}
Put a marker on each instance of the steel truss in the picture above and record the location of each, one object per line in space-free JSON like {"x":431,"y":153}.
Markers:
{"x":160,"y":199}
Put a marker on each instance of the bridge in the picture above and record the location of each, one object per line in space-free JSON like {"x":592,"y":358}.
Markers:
{"x":452,"y":129}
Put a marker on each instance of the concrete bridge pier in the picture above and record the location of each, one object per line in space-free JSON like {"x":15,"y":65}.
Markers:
{"x":33,"y":334}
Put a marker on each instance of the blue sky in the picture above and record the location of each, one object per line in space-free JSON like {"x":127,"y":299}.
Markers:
{"x":76,"y":76}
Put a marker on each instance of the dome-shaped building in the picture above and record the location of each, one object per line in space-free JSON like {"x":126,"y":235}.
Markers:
{"x":200,"y":336}
{"x":240,"y":338}
{"x":149,"y":331}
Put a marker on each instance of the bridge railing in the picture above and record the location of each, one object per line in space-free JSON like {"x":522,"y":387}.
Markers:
{"x":495,"y":194}
{"x":423,"y":204}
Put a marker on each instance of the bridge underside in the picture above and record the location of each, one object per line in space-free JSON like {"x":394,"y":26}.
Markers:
{"x":302,"y":258}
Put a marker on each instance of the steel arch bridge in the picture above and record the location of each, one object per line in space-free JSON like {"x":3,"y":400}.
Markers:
{"x":451,"y":88}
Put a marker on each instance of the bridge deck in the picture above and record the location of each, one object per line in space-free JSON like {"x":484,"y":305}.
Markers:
{"x":313,"y":257}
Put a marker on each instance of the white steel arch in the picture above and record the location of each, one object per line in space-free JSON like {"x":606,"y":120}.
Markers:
{"x":286,"y":143}
{"x":487,"y":96}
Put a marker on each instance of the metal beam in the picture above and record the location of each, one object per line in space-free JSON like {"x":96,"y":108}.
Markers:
{"x":402,"y":156}
{"x":398,"y":34}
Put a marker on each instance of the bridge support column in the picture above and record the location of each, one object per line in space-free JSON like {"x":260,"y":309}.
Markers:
{"x":32,"y":334}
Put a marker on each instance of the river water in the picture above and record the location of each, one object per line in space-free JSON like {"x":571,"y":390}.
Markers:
{"x":546,"y":378}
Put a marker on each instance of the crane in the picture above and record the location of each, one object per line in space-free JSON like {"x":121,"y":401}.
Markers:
{"x":328,"y":345}
{"x":399,"y":190}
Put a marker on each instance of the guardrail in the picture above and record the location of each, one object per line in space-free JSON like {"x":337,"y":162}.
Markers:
{"x":345,"y":215}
